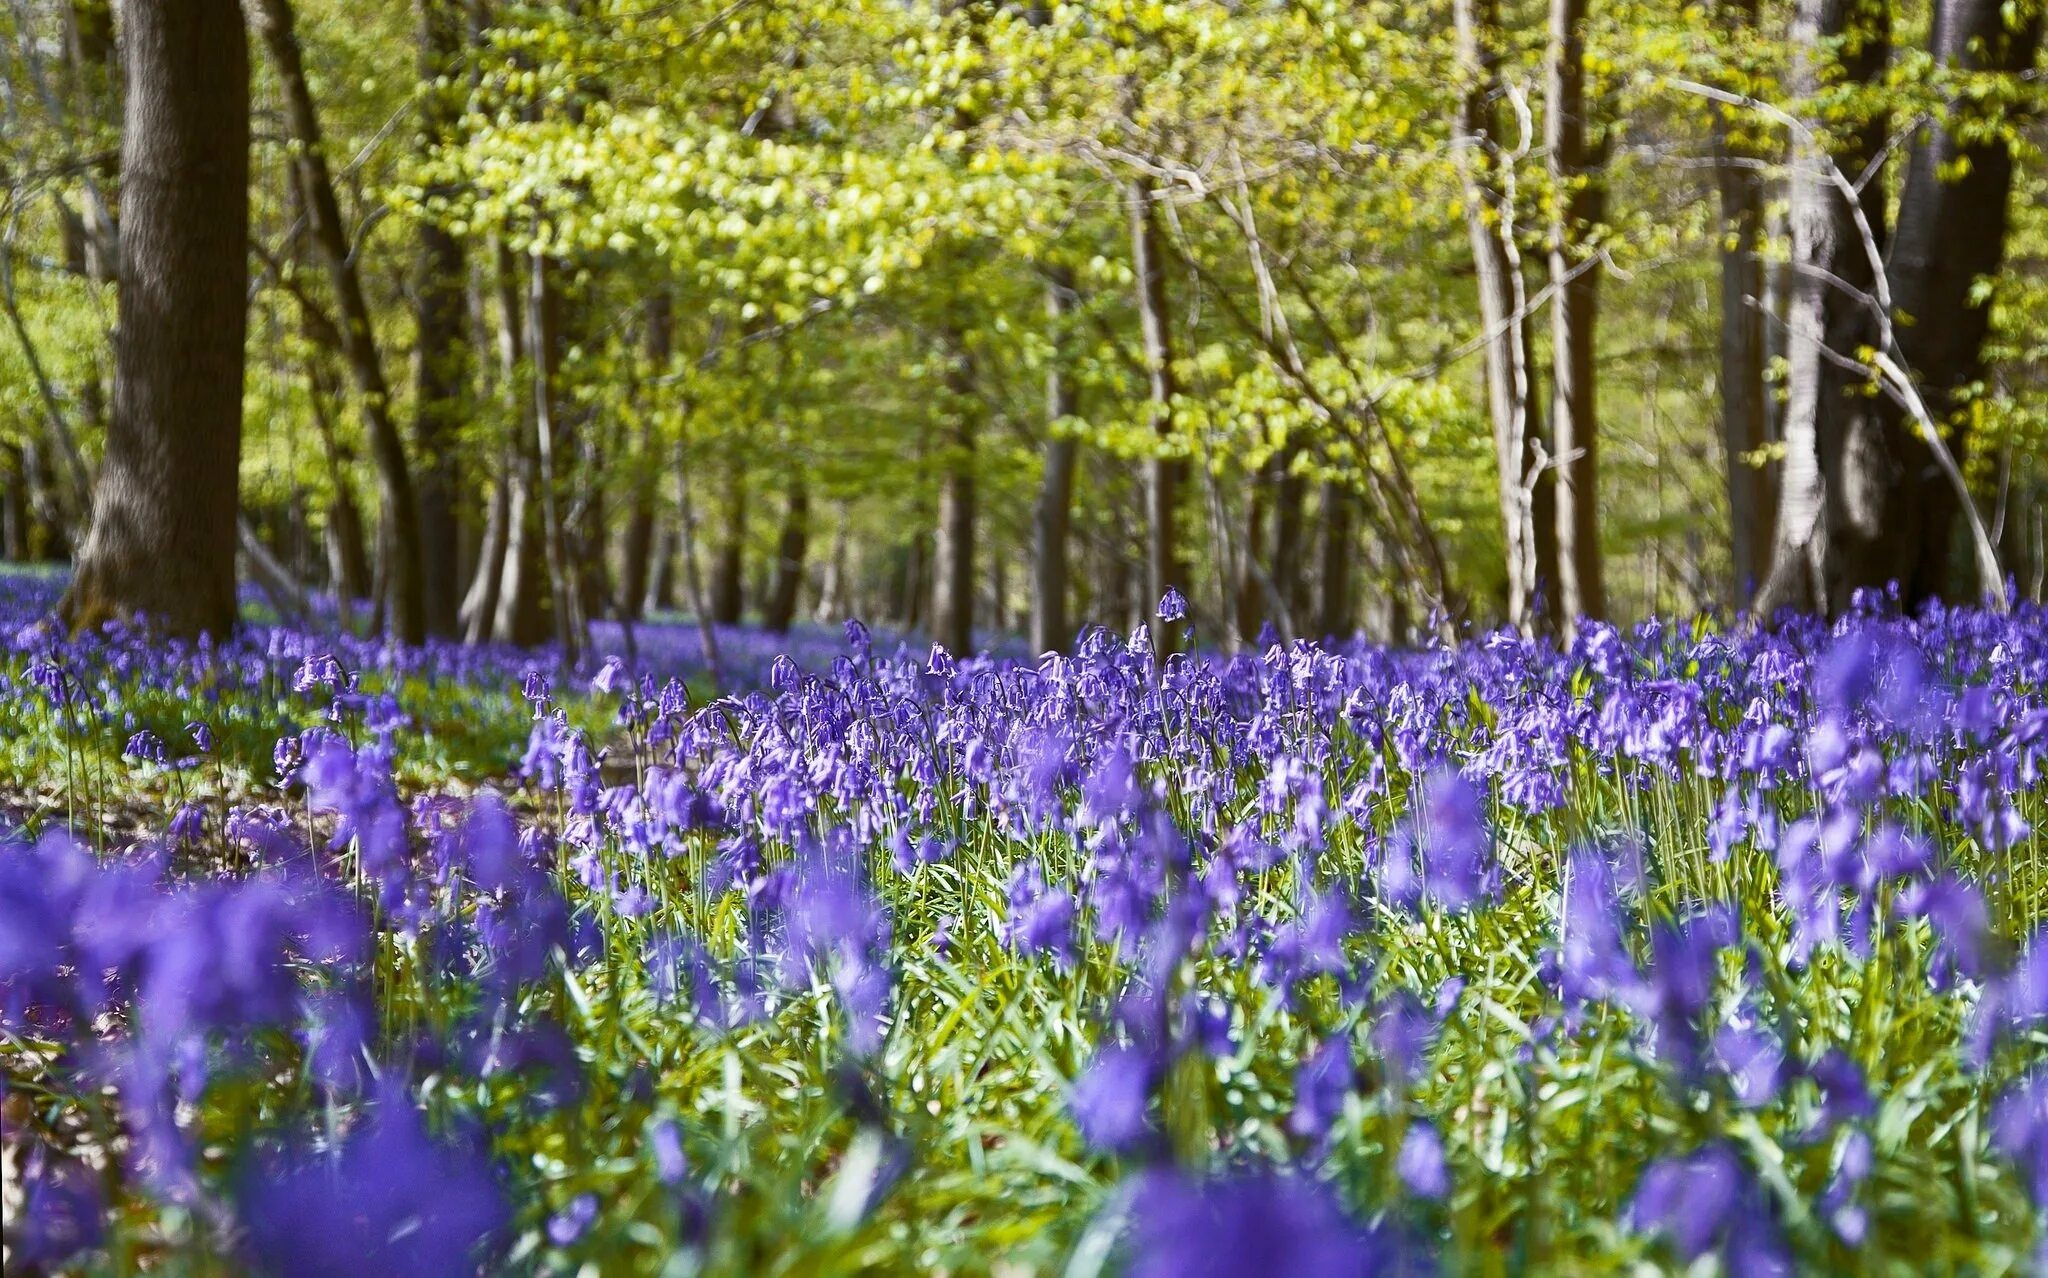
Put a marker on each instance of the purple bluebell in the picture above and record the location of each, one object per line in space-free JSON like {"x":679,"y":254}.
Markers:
{"x":1320,"y":1086}
{"x":392,"y":1201}
{"x":1421,"y":1163}
{"x":1707,"y":1201}
{"x":1110,"y":1099}
{"x":1256,"y":1224}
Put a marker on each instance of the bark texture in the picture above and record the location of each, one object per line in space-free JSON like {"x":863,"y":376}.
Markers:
{"x":1574,"y":310}
{"x":1527,"y":489}
{"x":441,"y":354}
{"x":163,"y":534}
{"x":1745,"y":404}
{"x":1832,"y":459}
{"x":792,"y":545}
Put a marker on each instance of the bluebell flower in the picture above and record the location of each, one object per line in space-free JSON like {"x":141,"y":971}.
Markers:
{"x":1256,"y":1224}
{"x":1421,"y":1163}
{"x":573,"y":1221}
{"x":1110,"y":1099}
{"x":1320,"y":1086}
{"x":1705,"y":1202}
{"x":60,"y":1217}
{"x":393,"y":1201}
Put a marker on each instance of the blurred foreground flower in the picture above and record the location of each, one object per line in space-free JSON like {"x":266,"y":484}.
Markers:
{"x":1257,"y":1224}
{"x":394,"y":1201}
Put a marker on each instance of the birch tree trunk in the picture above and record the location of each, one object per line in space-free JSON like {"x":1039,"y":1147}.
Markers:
{"x":1830,"y":462}
{"x":1527,"y":489}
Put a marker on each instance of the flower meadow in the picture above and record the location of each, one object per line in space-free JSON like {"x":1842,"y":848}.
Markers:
{"x":1682,"y":946}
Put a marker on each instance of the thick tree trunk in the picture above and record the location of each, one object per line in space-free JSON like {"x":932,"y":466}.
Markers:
{"x":1745,"y":410}
{"x":162,"y":538}
{"x":1574,"y":311}
{"x":274,"y":21}
{"x":953,"y":550}
{"x":1833,"y":457}
{"x":1953,"y":220}
{"x":778,"y":611}
{"x":441,"y":353}
{"x":1527,"y":490}
{"x":1165,"y":558}
{"x":1052,"y":516}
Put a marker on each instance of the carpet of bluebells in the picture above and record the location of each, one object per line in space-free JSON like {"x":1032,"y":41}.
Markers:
{"x":1681,"y":946}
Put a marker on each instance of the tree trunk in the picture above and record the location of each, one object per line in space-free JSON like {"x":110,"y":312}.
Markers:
{"x":834,"y":593}
{"x":693,"y":581}
{"x":1953,"y":220}
{"x":779,"y":610}
{"x":480,"y":604}
{"x":1052,"y":516}
{"x":162,"y":539}
{"x":636,"y":560}
{"x":637,"y":550}
{"x":1253,"y":576}
{"x":91,"y":239}
{"x":661,"y":573}
{"x":1744,"y":400}
{"x":1826,"y":488}
{"x":1527,"y":489}
{"x":728,"y":572}
{"x":1165,"y":560}
{"x":522,"y":615}
{"x":953,"y":550}
{"x":441,"y":353}
{"x":348,"y":560}
{"x":14,"y":507}
{"x":1290,"y":543}
{"x":1574,"y":310}
{"x":1338,"y":616}
{"x":49,"y":533}
{"x":546,"y":344}
{"x":274,"y":21}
